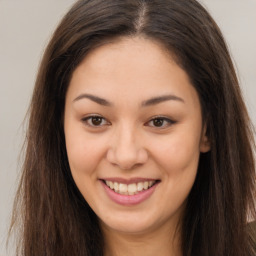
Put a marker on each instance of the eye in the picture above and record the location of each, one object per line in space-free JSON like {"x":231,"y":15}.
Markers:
{"x":160,"y":122}
{"x":95,"y":121}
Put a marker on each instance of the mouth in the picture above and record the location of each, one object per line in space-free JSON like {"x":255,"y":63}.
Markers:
{"x":132,"y":188}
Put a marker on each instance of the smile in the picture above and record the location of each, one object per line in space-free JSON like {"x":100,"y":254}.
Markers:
{"x":129,"y":192}
{"x":130,"y":189}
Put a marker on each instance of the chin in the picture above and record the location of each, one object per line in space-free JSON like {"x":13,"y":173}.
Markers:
{"x":134,"y":223}
{"x":128,"y":227}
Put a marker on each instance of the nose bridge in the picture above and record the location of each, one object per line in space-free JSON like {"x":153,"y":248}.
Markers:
{"x":127,"y":135}
{"x":126,"y":147}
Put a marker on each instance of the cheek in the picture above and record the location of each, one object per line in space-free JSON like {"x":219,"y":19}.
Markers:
{"x":178,"y":160}
{"x":84,"y":153}
{"x":79,"y":156}
{"x":177,"y":154}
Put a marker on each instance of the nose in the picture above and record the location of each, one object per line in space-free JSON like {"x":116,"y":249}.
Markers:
{"x":126,"y":150}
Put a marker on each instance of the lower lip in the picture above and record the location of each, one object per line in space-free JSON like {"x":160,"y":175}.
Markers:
{"x":129,"y":199}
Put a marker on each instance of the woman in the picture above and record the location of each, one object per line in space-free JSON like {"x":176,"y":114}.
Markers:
{"x":139,"y":142}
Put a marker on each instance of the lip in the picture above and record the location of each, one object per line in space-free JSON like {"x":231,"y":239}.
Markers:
{"x":127,"y":181}
{"x":129,"y":200}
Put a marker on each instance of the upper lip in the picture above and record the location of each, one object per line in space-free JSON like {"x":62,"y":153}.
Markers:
{"x":128,"y":181}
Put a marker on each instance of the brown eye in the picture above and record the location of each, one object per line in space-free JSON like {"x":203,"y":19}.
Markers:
{"x":95,"y":121}
{"x":160,"y":122}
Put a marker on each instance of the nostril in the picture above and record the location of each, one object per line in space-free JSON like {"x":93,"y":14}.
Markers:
{"x":127,"y":166}
{"x":127,"y":157}
{"x":124,"y":159}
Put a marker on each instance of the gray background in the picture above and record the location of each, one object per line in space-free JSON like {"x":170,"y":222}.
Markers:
{"x":25,"y":28}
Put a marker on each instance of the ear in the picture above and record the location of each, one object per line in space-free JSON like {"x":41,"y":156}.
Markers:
{"x":205,"y":144}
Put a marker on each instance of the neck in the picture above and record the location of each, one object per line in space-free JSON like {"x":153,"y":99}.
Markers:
{"x":163,"y":241}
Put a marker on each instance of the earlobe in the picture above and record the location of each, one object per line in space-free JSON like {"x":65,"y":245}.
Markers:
{"x":205,"y":144}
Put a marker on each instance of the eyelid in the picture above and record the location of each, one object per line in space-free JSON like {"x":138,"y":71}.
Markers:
{"x":86,"y":118}
{"x":169,"y":120}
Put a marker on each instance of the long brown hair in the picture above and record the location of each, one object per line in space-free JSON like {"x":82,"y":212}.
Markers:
{"x":53,"y":217}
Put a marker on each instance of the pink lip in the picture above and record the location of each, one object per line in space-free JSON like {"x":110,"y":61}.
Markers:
{"x":127,"y":200}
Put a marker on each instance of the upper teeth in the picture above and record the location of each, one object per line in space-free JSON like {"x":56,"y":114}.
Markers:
{"x":130,"y":189}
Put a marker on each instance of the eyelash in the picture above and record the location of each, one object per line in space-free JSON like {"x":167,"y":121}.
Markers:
{"x":168,"y":122}
{"x":88,"y":119}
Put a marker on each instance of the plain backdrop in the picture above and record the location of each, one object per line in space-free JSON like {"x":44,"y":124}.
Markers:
{"x":26,"y":27}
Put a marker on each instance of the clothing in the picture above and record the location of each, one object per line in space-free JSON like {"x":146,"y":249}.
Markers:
{"x":252,"y":235}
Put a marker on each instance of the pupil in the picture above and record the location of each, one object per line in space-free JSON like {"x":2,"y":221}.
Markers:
{"x":158,"y":122}
{"x":96,"y":120}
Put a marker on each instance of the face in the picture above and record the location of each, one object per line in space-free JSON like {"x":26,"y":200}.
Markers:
{"x":134,"y":133}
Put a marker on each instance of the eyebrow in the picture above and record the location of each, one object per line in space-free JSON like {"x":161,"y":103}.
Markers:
{"x":149,"y":102}
{"x":94,"y":98}
{"x":160,"y":99}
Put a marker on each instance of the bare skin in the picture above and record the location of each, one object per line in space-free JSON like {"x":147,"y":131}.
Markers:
{"x":132,"y":115}
{"x":150,"y":244}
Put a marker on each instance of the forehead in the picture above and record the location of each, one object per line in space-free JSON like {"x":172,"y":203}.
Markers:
{"x":130,"y":67}
{"x":131,"y":53}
